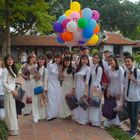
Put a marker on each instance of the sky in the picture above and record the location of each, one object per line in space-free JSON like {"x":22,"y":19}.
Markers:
{"x":134,"y":0}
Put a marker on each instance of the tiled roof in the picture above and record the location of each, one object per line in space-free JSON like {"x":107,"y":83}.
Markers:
{"x":117,"y":38}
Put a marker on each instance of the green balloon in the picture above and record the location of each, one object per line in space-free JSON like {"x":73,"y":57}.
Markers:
{"x":82,"y":23}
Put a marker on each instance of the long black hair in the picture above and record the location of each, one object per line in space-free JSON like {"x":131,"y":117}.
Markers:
{"x":70,"y":68}
{"x":14,"y":69}
{"x":115,"y":60}
{"x":80,"y":63}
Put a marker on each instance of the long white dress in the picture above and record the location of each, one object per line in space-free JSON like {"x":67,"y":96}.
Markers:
{"x":28,"y":86}
{"x":95,"y":112}
{"x":9,"y":102}
{"x":38,"y":111}
{"x":67,"y":87}
{"x":2,"y":111}
{"x":54,"y":92}
{"x":80,"y":115}
{"x":115,"y":87}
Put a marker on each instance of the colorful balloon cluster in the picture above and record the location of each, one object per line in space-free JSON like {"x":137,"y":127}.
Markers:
{"x":77,"y":26}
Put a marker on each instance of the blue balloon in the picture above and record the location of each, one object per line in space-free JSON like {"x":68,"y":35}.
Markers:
{"x":87,"y":32}
{"x":59,"y":40}
{"x":61,"y":18}
{"x":92,"y":23}
{"x":87,"y":13}
{"x":57,"y":26}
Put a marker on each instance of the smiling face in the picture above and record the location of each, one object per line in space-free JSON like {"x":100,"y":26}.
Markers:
{"x":41,"y":62}
{"x":128,"y":63}
{"x":84,"y":61}
{"x":111,"y":62}
{"x":67,"y":63}
{"x":57,"y":60}
{"x":95,"y":59}
{"x":10,"y":61}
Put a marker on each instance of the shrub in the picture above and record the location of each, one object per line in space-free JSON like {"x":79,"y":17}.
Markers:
{"x":3,"y":131}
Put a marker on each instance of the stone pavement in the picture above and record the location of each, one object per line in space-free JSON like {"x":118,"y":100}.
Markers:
{"x":57,"y":130}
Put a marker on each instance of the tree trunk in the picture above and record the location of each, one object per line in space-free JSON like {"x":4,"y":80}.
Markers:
{"x":7,"y":39}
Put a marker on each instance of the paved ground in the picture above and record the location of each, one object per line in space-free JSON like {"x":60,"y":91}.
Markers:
{"x":57,"y":130}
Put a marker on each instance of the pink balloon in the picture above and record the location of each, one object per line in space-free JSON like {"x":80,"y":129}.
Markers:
{"x":64,"y":22}
{"x":74,"y":16}
{"x":95,"y":15}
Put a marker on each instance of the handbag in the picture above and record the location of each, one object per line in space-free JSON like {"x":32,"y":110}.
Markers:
{"x":123,"y":113}
{"x":28,"y":100}
{"x":104,"y":81}
{"x":71,"y":101}
{"x":95,"y":101}
{"x":107,"y":110}
{"x":38,"y":90}
{"x":83,"y":102}
{"x":20,"y":92}
{"x":1,"y":101}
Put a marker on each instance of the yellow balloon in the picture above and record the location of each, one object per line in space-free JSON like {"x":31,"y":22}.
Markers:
{"x":68,"y":12}
{"x":75,"y":6}
{"x":94,"y":39}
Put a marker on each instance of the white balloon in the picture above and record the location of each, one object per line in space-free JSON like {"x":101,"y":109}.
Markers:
{"x":71,"y":26}
{"x":78,"y":35}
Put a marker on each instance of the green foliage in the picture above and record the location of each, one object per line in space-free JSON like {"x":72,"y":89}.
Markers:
{"x":118,"y":134}
{"x":95,"y":51}
{"x":3,"y":131}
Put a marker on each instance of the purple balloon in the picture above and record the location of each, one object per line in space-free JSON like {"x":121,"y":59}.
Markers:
{"x":57,"y":26}
{"x":95,"y":15}
{"x":81,"y":42}
{"x":59,"y":40}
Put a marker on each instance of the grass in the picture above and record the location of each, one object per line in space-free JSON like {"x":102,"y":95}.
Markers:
{"x":3,"y":131}
{"x":118,"y":133}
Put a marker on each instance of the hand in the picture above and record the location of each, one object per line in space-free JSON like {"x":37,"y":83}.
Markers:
{"x":14,"y":93}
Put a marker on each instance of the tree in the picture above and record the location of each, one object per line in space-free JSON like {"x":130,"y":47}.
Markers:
{"x":22,"y":17}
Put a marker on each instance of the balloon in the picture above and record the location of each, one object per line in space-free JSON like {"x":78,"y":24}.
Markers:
{"x":71,"y":43}
{"x":59,"y":40}
{"x":87,"y":32}
{"x":74,"y":16}
{"x":57,"y":26}
{"x":81,"y":42}
{"x":75,"y":6}
{"x":67,"y":36}
{"x":64,"y":22}
{"x":93,"y":40}
{"x":87,"y":13}
{"x":68,"y":12}
{"x":95,"y":15}
{"x":92,"y":23}
{"x":82,"y":23}
{"x":71,"y":26}
{"x":80,"y":13}
{"x":96,"y":29}
{"x":78,"y":35}
{"x":61,"y":18}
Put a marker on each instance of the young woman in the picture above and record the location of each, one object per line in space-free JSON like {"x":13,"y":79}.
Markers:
{"x":2,"y":111}
{"x":54,"y":89}
{"x":95,"y":86}
{"x":67,"y":87}
{"x":27,"y":72}
{"x":82,"y":76}
{"x":115,"y":87}
{"x":8,"y":81}
{"x":41,"y":80}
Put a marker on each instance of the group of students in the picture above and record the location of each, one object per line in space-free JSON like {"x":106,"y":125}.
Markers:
{"x":63,"y":76}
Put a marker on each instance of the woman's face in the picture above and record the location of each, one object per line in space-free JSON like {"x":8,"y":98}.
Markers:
{"x":0,"y":63}
{"x":84,"y":61}
{"x":67,"y":63}
{"x":111,"y":62}
{"x":41,"y":62}
{"x":128,"y":63}
{"x":10,"y":61}
{"x":95,"y":59}
{"x":57,"y":60}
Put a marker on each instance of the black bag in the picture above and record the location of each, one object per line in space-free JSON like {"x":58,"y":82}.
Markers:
{"x":20,"y":92}
{"x":83,"y":102}
{"x":107,"y":110}
{"x":72,"y":101}
{"x":1,"y":101}
{"x":123,"y":114}
{"x":95,"y":101}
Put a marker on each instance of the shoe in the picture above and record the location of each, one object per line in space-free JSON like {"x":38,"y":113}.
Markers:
{"x":51,"y":119}
{"x":132,"y":135}
{"x":13,"y":132}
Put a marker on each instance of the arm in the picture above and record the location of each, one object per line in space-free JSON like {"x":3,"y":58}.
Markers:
{"x":45,"y":80}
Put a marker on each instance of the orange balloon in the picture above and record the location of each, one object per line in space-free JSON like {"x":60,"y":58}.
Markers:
{"x":96,"y":29}
{"x":67,"y":36}
{"x":80,"y":13}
